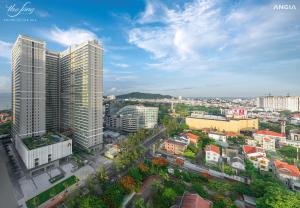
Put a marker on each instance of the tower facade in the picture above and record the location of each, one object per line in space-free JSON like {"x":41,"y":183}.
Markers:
{"x":52,"y":91}
{"x":81,"y":93}
{"x":28,"y":88}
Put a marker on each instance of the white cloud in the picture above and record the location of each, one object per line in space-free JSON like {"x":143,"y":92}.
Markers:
{"x":122,"y":65}
{"x":5,"y":49}
{"x":113,"y":89}
{"x":5,"y":84}
{"x":69,"y":36}
{"x":202,"y":35}
{"x":114,"y":76}
{"x":154,"y":12}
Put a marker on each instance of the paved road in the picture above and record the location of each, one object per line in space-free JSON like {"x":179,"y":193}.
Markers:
{"x":7,"y":196}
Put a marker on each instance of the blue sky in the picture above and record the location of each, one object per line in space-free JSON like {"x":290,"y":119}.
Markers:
{"x":188,"y":48}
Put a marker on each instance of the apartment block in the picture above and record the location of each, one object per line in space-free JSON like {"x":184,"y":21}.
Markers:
{"x":53,"y":95}
{"x":133,"y":117}
{"x":291,"y":103}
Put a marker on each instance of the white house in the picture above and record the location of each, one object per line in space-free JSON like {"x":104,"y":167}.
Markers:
{"x":212,"y":153}
{"x":257,"y":157}
{"x":268,"y":144}
{"x":217,"y":136}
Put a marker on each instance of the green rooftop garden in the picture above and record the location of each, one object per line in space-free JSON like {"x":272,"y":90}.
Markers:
{"x":48,"y":139}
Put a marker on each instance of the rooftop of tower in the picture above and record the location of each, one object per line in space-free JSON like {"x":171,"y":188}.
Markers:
{"x":50,"y":138}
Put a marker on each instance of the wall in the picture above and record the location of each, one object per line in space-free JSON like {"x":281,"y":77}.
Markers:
{"x":57,"y":151}
{"x":221,"y":125}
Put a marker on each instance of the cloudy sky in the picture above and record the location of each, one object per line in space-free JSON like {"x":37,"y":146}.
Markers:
{"x":188,"y":48}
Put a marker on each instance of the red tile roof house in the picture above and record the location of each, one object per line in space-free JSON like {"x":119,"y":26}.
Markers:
{"x":231,"y":134}
{"x":257,"y":156}
{"x":193,"y":138}
{"x":212,"y":153}
{"x":287,"y":173}
{"x":190,"y":200}
{"x":278,"y":137}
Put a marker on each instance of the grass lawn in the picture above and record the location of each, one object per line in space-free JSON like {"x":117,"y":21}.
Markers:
{"x":51,"y":192}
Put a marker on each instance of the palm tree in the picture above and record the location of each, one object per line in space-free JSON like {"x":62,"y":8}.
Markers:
{"x":102,"y":175}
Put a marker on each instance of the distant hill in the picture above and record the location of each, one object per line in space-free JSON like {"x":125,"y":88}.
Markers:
{"x":140,"y":95}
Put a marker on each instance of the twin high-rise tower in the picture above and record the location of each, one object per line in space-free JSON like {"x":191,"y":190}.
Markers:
{"x":57,"y":92}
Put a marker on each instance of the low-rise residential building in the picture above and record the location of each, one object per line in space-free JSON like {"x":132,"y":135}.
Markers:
{"x":4,"y":117}
{"x":294,"y":119}
{"x":212,"y":153}
{"x":294,"y":135}
{"x":291,"y":143}
{"x":190,"y":200}
{"x":268,"y":144}
{"x":278,"y":137}
{"x":175,"y":147}
{"x":193,"y":138}
{"x":253,"y":151}
{"x":260,"y":162}
{"x":287,"y":173}
{"x":112,"y":152}
{"x":257,"y":157}
{"x":217,"y":136}
{"x":237,"y":163}
{"x":229,"y":152}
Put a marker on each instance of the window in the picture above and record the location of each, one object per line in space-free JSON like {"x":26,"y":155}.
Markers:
{"x":36,"y":162}
{"x":49,"y":158}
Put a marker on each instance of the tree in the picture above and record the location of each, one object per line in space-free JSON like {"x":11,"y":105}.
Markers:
{"x":228,"y":170}
{"x":199,"y":189}
{"x":91,"y":201}
{"x":204,"y":140}
{"x":143,"y":168}
{"x":73,"y":198}
{"x":128,"y":183}
{"x":90,"y":183}
{"x":159,"y":161}
{"x":224,"y":203}
{"x":35,"y":202}
{"x":237,"y":140}
{"x":102,"y":175}
{"x":52,"y":193}
{"x":189,"y":154}
{"x":113,"y":195}
{"x":135,"y":173}
{"x":139,"y":203}
{"x":288,"y":151}
{"x":169,"y":195}
{"x":277,"y":197}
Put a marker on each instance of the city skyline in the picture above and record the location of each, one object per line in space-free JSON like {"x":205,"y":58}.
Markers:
{"x":192,"y":48}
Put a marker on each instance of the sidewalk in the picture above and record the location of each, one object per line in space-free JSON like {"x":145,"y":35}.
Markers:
{"x":7,"y":199}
